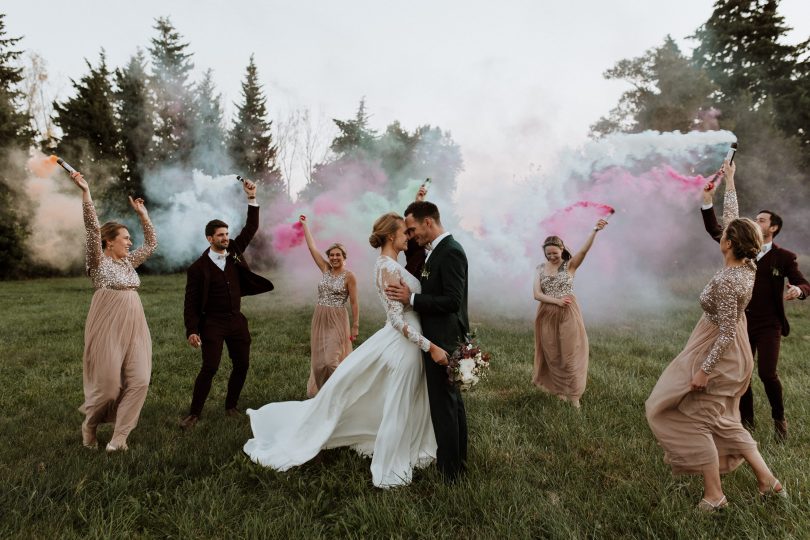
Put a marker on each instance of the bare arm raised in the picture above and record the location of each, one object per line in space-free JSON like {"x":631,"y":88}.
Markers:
{"x":577,"y":259}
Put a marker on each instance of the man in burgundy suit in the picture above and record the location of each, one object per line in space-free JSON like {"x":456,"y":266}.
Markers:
{"x":215,"y":284}
{"x":766,"y":310}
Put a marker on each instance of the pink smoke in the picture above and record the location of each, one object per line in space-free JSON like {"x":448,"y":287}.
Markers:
{"x":287,"y":236}
{"x":555,"y":223}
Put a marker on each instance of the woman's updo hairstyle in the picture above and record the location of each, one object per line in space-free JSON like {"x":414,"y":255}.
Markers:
{"x":745,"y":237}
{"x":109,"y":232}
{"x":385,"y":226}
{"x":338,"y":246}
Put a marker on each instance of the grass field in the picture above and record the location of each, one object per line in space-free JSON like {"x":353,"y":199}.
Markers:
{"x":538,"y":469}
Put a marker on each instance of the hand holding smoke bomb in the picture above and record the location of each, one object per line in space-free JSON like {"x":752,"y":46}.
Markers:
{"x":732,"y":151}
{"x":423,"y":189}
{"x":65,"y":165}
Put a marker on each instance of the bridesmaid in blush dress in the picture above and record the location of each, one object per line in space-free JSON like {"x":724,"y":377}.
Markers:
{"x":117,"y":344}
{"x":561,"y":344}
{"x":330,"y":336}
{"x":694,"y":408}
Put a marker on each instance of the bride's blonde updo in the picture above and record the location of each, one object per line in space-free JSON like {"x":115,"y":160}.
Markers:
{"x":385,"y":226}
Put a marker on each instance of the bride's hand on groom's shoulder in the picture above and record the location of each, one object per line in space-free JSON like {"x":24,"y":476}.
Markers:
{"x":438,"y":355}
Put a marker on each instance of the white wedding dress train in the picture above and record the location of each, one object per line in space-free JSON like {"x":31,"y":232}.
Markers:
{"x":375,"y":402}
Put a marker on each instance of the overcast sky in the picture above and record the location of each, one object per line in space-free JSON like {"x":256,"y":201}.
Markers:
{"x":514,"y":80}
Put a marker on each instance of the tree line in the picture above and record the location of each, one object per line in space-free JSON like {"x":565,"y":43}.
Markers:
{"x":121,"y":125}
{"x":742,"y":76}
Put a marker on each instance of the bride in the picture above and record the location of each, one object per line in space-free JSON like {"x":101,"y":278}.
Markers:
{"x":375,"y":402}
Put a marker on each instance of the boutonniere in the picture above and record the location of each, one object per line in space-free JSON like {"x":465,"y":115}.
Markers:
{"x":236,"y":258}
{"x":425,"y":272}
{"x":775,"y":272}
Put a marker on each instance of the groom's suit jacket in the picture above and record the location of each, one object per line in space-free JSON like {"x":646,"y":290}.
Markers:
{"x":199,"y":275}
{"x":767,"y":303}
{"x":442,"y":305}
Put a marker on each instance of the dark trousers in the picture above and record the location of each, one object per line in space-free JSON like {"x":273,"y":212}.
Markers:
{"x":233,"y":332}
{"x":449,"y":420}
{"x":765,"y":342}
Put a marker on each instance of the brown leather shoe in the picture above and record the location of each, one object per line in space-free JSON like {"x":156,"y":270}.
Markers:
{"x":780,"y":430}
{"x":233,"y":412}
{"x":189,"y":421}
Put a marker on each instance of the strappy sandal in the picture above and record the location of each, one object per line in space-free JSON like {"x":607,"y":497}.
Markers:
{"x":773,"y":492}
{"x":705,"y":505}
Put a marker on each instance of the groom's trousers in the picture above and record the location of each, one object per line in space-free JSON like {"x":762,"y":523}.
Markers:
{"x":231,"y":330}
{"x":449,"y":420}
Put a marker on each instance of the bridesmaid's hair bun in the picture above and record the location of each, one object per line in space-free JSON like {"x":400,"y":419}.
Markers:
{"x":385,"y":226}
{"x":109,"y":232}
{"x":556,"y":241}
{"x":745,"y":237}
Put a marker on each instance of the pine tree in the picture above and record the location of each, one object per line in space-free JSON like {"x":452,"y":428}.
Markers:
{"x":210,"y":152}
{"x":89,"y":136}
{"x":15,"y":124}
{"x":173,"y":99}
{"x":135,"y":123}
{"x":741,"y":46}
{"x":250,"y":142}
{"x":355,"y":136}
{"x":668,"y":93}
{"x":16,"y":135}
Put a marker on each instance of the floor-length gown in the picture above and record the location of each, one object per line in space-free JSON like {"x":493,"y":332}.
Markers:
{"x":117,"y":344}
{"x":329,"y":334}
{"x":561,"y":343}
{"x":375,"y":402}
{"x":699,"y":429}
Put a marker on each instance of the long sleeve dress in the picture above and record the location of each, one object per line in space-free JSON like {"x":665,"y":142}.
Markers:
{"x":560,"y":341}
{"x":375,"y":402}
{"x":329,"y":333}
{"x":699,"y":429}
{"x":117,"y":344}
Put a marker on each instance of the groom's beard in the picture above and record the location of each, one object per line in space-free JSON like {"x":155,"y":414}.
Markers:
{"x":220,"y":246}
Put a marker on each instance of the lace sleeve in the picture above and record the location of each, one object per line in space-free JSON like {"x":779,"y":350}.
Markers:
{"x":139,"y":256}
{"x":730,"y":207}
{"x":394,"y":309}
{"x":726,"y":318}
{"x":92,"y":230}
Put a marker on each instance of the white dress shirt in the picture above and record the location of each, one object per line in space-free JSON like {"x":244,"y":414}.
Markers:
{"x":219,"y":258}
{"x":429,"y":248}
{"x":765,"y":249}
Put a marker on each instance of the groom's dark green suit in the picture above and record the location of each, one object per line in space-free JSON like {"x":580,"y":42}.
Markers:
{"x":442,"y":307}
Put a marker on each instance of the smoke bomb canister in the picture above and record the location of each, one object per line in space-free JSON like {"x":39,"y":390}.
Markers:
{"x":65,"y":165}
{"x":731,"y":152}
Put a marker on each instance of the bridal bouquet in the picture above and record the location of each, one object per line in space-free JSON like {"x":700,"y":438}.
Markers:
{"x":467,"y":364}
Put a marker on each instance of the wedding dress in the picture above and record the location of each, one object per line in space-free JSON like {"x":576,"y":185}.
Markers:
{"x":375,"y":402}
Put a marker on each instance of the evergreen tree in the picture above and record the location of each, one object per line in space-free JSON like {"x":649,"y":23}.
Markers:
{"x":135,"y":124}
{"x":210,"y":152}
{"x":668,"y":93}
{"x":250,"y":142}
{"x":741,"y":46}
{"x":355,"y":137}
{"x":173,"y":100}
{"x":15,"y":123}
{"x":89,"y":137}
{"x":16,"y":136}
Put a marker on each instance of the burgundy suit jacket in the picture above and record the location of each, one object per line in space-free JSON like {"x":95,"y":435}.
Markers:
{"x":198,"y":276}
{"x":772,"y":270}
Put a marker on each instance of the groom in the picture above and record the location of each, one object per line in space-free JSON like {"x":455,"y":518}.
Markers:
{"x":442,"y":306}
{"x":216,"y":283}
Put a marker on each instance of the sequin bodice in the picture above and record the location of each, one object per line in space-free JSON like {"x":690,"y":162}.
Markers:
{"x":332,"y":290}
{"x":109,"y":273}
{"x":724,"y":298}
{"x":557,"y":285}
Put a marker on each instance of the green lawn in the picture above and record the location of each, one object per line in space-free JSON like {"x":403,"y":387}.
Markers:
{"x":538,"y":469}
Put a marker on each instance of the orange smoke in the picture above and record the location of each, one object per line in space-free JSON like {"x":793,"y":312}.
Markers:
{"x":42,"y":166}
